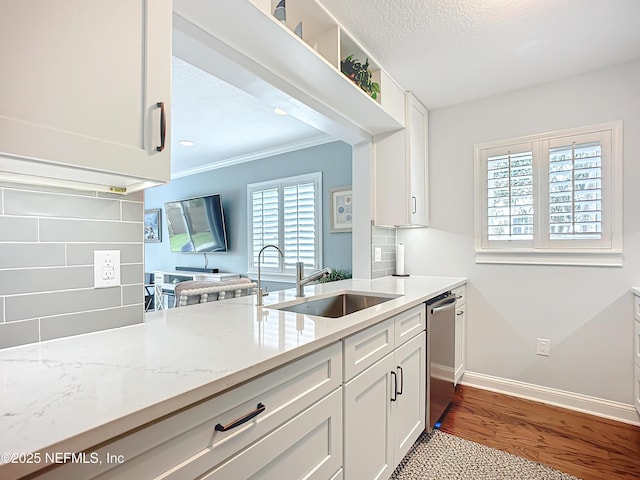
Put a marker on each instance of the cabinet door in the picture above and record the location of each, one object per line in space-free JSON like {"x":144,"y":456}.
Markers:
{"x":460,"y":327}
{"x":309,"y":447}
{"x":408,"y":412}
{"x":80,"y":84}
{"x":417,"y":137}
{"x":401,"y":171}
{"x":636,"y":387}
{"x":367,"y":407}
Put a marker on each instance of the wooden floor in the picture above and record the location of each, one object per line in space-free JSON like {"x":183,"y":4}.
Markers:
{"x":588,"y":447}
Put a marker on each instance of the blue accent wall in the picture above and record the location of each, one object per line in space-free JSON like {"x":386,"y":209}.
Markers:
{"x":332,"y":159}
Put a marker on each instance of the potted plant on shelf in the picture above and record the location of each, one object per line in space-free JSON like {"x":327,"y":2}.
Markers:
{"x":359,"y":74}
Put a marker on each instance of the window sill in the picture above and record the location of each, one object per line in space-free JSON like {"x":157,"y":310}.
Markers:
{"x":592,"y":258}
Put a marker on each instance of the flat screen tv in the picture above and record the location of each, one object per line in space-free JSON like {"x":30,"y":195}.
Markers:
{"x":196,"y":225}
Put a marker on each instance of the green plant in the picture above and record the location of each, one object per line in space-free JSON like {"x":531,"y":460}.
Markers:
{"x":359,"y":73}
{"x":335,"y":275}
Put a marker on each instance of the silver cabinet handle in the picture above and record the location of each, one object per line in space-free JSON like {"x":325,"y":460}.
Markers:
{"x":163,"y":126}
{"x":395,"y":386}
{"x":414,"y":205}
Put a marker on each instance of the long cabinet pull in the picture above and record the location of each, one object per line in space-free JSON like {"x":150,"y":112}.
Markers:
{"x":395,"y":387}
{"x":245,"y":418}
{"x":401,"y":380}
{"x":163,"y":126}
{"x":414,"y":205}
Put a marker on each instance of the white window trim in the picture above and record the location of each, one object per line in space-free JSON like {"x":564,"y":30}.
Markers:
{"x":541,"y":253}
{"x":281,"y":275}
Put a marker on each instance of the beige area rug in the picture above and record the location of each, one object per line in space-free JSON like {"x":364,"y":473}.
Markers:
{"x":441,"y":456}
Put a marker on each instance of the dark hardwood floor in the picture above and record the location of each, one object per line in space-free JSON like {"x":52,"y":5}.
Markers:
{"x":588,"y":447}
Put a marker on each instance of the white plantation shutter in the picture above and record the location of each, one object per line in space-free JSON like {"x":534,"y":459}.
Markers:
{"x":550,"y":195}
{"x":510,"y":196}
{"x":287,"y":213}
{"x":575,"y":192}
{"x":265,"y":221}
{"x":300,"y":225}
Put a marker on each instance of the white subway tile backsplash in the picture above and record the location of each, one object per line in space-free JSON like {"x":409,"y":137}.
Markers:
{"x":47,"y":240}
{"x":20,"y":202}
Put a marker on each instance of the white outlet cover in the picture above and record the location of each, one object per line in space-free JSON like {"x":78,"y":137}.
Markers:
{"x":106,"y":268}
{"x":377,"y":254}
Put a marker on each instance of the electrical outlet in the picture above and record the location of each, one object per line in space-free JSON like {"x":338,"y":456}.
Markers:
{"x":106,"y":268}
{"x":543,"y":346}
{"x":377,"y":254}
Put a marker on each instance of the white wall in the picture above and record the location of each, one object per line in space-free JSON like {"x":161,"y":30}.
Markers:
{"x":586,"y":312}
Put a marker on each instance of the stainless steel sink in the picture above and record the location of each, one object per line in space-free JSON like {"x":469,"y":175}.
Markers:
{"x":337,"y":305}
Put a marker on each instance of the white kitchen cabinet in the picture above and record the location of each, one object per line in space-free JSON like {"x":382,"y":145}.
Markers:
{"x":384,"y":409}
{"x":82,"y":88}
{"x":287,"y":402}
{"x":401,"y":170}
{"x":460,"y":332}
{"x":636,"y":353}
{"x":368,"y":432}
{"x":408,"y":411}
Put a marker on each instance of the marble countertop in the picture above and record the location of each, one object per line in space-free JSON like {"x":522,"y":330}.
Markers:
{"x":69,"y":394}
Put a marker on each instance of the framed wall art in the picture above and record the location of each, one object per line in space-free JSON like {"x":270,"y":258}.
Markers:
{"x":153,"y":226}
{"x":340,"y":209}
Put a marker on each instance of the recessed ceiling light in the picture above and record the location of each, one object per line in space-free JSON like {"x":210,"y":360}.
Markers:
{"x":187,"y":143}
{"x":279,"y":111}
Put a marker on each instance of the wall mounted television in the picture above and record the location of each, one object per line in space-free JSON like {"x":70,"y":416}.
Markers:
{"x":196,"y":225}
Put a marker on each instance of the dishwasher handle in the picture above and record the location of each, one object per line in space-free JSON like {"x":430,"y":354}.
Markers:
{"x":444,"y":304}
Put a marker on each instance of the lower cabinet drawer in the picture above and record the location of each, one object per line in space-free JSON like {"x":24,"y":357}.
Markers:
{"x":308,"y":446}
{"x":363,"y":349}
{"x":410,"y":323}
{"x":186,"y":444}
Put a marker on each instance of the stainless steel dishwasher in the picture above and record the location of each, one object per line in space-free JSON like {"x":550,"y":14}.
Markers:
{"x":441,"y":320}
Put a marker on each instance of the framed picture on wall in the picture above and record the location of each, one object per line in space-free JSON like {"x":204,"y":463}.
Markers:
{"x":153,"y":226}
{"x":340,"y":209}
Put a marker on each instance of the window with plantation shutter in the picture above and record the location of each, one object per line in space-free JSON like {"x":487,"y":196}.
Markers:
{"x":554,"y":198}
{"x":287,"y":213}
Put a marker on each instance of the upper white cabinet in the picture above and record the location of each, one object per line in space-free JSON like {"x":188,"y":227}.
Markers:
{"x":85,"y":92}
{"x":306,"y":68}
{"x":401,"y":170}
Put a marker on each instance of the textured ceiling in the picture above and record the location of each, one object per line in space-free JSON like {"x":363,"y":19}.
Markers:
{"x":452,"y":51}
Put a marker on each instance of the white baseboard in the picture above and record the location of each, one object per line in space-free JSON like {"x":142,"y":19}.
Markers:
{"x":599,"y":407}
